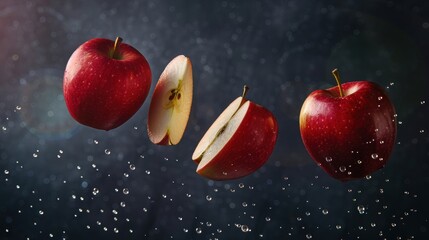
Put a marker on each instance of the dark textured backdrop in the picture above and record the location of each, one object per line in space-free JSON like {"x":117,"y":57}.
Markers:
{"x":61,"y":180}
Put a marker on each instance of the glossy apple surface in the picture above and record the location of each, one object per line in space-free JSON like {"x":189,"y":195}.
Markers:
{"x":238,"y":143}
{"x":171,"y":103}
{"x":105,"y":83}
{"x":350,"y":136}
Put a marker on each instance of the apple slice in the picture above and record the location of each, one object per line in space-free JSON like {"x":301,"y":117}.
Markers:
{"x":238,"y":143}
{"x":171,"y":103}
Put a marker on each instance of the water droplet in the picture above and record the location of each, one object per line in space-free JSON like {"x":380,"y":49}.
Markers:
{"x":95,"y":141}
{"x":342,"y":169}
{"x":338,"y":227}
{"x":267,"y":219}
{"x":328,"y":159}
{"x":132,"y":167}
{"x":185,"y":230}
{"x":244,"y":228}
{"x":374,"y":156}
{"x":126,"y":175}
{"x":18,"y":108}
{"x":359,"y":161}
{"x":381,"y":142}
{"x":361,"y":209}
{"x":208,"y":198}
{"x":147,"y":172}
{"x":35,"y":155}
{"x":95,"y":191}
{"x":380,"y":98}
{"x":198,"y":230}
{"x":107,"y":151}
{"x":41,"y":212}
{"x":298,"y":219}
{"x":123,"y":204}
{"x":6,"y":172}
{"x":373,"y":224}
{"x":422,"y":102}
{"x":308,"y":236}
{"x":126,"y":191}
{"x":325,"y":211}
{"x":241,"y":185}
{"x":244,"y":204}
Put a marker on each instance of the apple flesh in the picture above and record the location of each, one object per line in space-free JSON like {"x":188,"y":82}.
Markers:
{"x":171,"y":103}
{"x":349,"y":130}
{"x":105,"y":83}
{"x":238,"y":143}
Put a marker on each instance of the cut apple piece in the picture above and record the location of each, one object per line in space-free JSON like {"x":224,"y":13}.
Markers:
{"x":171,"y":103}
{"x":216,"y":129}
{"x":238,"y":143}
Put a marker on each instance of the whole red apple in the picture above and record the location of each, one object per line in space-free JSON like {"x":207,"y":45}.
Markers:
{"x":238,"y":143}
{"x":349,"y":129}
{"x":105,"y":83}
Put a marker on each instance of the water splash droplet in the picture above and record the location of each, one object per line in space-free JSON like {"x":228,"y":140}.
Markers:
{"x":244,"y":228}
{"x":95,"y":191}
{"x":361,"y":209}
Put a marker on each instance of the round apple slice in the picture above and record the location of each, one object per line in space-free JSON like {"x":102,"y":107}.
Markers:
{"x":238,"y":143}
{"x":171,"y":103}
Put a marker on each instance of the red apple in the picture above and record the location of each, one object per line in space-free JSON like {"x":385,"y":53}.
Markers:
{"x":238,"y":143}
{"x":171,"y":103}
{"x":105,"y":83}
{"x":349,"y":129}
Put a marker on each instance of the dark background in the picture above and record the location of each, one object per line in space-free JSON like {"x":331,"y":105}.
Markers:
{"x":61,"y":180}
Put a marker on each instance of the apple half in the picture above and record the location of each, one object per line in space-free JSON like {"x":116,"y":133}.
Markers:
{"x":171,"y":103}
{"x":238,"y":143}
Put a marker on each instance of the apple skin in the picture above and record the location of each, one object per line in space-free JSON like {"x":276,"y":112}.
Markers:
{"x":350,"y":136}
{"x":248,"y":149}
{"x":101,"y":91}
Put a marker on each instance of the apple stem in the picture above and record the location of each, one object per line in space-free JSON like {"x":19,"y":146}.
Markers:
{"x":337,"y":78}
{"x":118,"y":41}
{"x":245,"y":89}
